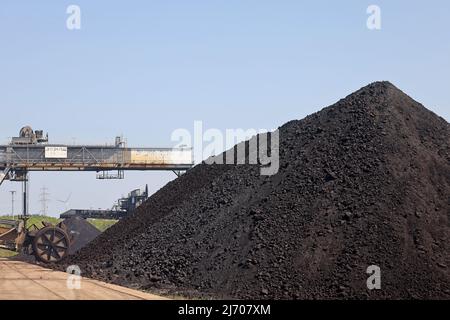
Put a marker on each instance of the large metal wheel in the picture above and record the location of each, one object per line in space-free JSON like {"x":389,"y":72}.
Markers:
{"x":51,"y":244}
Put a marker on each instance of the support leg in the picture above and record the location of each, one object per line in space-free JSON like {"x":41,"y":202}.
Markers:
{"x":25,"y":193}
{"x":4,"y":175}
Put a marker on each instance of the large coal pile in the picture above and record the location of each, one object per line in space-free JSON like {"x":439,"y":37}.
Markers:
{"x":363,"y":182}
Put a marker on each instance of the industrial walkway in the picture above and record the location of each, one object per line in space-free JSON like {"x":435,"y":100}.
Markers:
{"x":24,"y":281}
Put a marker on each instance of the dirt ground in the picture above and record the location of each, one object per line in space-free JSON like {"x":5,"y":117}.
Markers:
{"x":24,"y":281}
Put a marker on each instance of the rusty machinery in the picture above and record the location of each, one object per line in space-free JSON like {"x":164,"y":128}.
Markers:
{"x":30,"y":151}
{"x":48,"y":243}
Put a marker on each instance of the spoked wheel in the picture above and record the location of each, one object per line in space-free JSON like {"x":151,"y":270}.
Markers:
{"x":51,"y":244}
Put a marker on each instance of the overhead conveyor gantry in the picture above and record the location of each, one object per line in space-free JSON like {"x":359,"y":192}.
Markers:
{"x":31,"y":152}
{"x":92,"y":158}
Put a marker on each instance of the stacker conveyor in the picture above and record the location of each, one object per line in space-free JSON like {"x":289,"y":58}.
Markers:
{"x":31,"y":152}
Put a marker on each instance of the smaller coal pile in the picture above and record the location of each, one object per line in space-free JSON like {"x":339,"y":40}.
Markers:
{"x":82,"y":232}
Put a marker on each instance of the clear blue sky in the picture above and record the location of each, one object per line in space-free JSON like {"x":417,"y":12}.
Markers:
{"x":145,"y":68}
